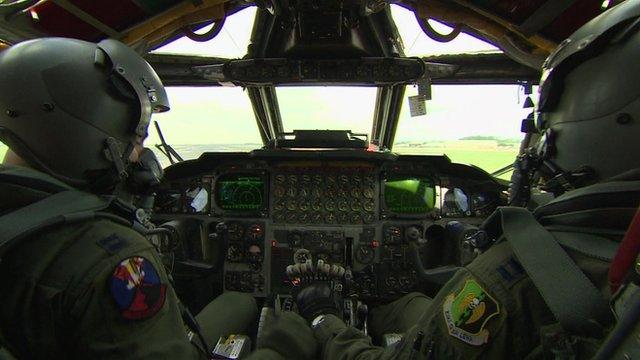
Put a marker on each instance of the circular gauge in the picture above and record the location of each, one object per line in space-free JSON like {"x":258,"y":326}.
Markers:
{"x":329,"y":205}
{"x":306,"y":179}
{"x":292,"y":179}
{"x":343,"y":192}
{"x":316,"y":205}
{"x":356,"y":205}
{"x":368,"y":218}
{"x":355,"y":192}
{"x":301,"y":256}
{"x":331,"y":180}
{"x":292,"y":192}
{"x":279,"y":191}
{"x":278,"y":216}
{"x":343,"y":218}
{"x":344,"y":179}
{"x":291,"y":205}
{"x":316,"y":217}
{"x":330,"y":218}
{"x":343,"y":205}
{"x":369,"y":179}
{"x":316,"y":192}
{"x":291,"y":217}
{"x":303,"y":217}
{"x":456,"y":203}
{"x":256,"y":231}
{"x":368,"y":193}
{"x":369,"y":206}
{"x":254,"y":253}
{"x":280,"y":178}
{"x":235,"y":231}
{"x":304,"y":192}
{"x":318,"y":179}
{"x":365,"y":254}
{"x":279,"y":205}
{"x":330,"y":192}
{"x":295,"y":239}
{"x":304,"y":205}
{"x":234,"y":254}
{"x":356,"y":179}
{"x":356,"y":218}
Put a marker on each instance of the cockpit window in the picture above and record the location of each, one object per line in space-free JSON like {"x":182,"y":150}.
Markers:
{"x":232,"y":41}
{"x":417,"y":43}
{"x":324,"y":108}
{"x":205,"y":119}
{"x":477,"y":125}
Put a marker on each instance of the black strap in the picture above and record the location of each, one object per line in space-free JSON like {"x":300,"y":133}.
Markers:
{"x":65,"y":206}
{"x":576,"y":303}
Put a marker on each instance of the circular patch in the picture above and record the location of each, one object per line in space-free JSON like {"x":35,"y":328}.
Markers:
{"x":136,"y":288}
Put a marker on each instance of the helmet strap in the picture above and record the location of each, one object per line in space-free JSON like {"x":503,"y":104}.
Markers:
{"x":114,"y":153}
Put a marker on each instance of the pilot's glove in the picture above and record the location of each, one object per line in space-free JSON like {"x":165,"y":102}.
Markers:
{"x":318,"y":298}
{"x":319,"y":287}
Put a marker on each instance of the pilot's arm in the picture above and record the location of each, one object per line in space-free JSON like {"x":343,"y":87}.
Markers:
{"x":463,"y":321}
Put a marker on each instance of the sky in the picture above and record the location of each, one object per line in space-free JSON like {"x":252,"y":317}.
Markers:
{"x":223,"y":115}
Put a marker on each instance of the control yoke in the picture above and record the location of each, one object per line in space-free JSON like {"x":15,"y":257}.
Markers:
{"x":439,"y":275}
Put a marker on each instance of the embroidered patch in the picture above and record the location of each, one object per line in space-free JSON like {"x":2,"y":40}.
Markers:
{"x":136,"y":288}
{"x":467,"y":312}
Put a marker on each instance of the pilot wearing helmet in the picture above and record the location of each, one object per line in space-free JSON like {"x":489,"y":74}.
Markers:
{"x":77,"y":277}
{"x":543,"y":285}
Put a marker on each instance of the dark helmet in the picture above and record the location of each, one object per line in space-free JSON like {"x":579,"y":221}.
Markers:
{"x":589,"y":108}
{"x":73,"y":109}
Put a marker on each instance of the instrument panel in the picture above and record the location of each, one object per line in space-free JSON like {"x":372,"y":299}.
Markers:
{"x":266,"y":214}
{"x":315,"y":194}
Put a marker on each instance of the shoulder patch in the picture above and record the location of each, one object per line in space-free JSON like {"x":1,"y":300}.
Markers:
{"x":467,"y":313}
{"x":113,"y":243}
{"x":136,"y":288}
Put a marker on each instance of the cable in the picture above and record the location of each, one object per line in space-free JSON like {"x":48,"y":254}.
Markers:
{"x":435,"y":35}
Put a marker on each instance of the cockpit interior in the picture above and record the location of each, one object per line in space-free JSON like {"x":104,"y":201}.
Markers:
{"x":238,"y":219}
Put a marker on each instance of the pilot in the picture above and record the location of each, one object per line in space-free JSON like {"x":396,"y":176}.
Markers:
{"x":541,"y":289}
{"x":75,"y":115}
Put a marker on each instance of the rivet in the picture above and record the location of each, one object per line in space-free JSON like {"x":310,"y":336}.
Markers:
{"x":120,"y":69}
{"x":623,"y":118}
{"x":11,"y":113}
{"x":48,"y":107}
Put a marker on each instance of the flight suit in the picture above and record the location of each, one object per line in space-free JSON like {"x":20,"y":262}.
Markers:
{"x":68,"y":293}
{"x":491,"y":308}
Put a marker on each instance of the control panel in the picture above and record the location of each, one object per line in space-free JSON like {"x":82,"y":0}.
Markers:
{"x":244,"y":268}
{"x":324,"y":195}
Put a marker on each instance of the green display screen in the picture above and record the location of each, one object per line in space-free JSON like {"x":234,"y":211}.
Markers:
{"x":240,"y":192}
{"x":410,"y":195}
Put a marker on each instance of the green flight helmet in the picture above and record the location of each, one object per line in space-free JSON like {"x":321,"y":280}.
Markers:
{"x":589,"y":108}
{"x":74,"y":109}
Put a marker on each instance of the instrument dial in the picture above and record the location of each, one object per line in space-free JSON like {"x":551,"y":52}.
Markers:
{"x":365,"y":254}
{"x":235,"y":231}
{"x":369,"y":206}
{"x":368,"y":193}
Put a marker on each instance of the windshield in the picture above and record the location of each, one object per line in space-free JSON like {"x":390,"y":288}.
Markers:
{"x":205,"y":119}
{"x":472,"y":124}
{"x":323,"y":108}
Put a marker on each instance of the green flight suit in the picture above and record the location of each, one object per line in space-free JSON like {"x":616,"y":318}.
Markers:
{"x":56,"y":301}
{"x":504,"y":314}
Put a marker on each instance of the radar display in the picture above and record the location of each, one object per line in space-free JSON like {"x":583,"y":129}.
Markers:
{"x":410,"y":195}
{"x":240,"y":192}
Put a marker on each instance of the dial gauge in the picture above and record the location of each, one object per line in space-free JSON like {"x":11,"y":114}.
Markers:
{"x":365,"y":254}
